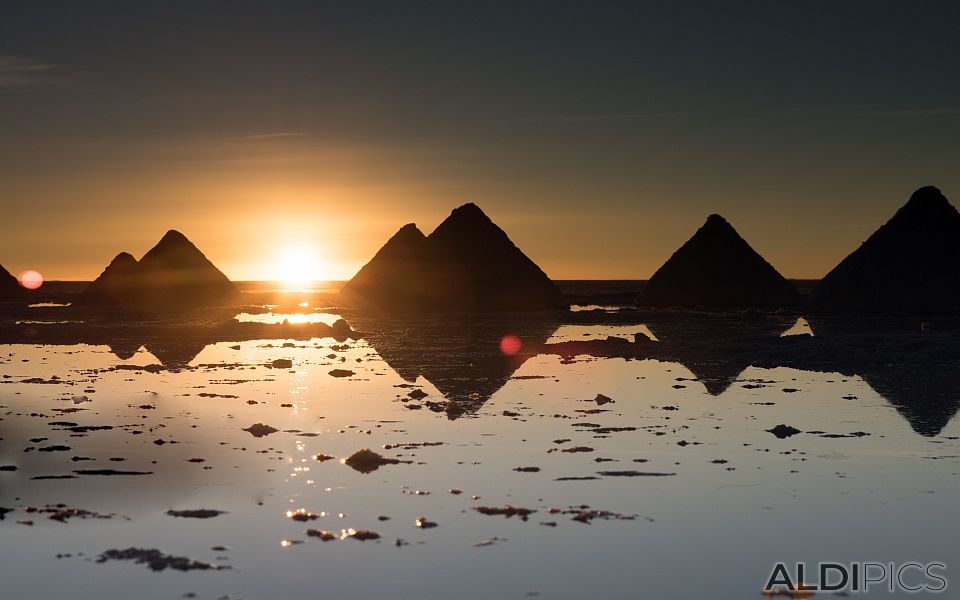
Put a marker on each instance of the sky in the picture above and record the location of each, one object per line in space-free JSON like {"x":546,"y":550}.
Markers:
{"x":287,"y":138}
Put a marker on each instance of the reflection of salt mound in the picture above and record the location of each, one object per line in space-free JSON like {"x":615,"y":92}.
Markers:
{"x":717,"y":268}
{"x":716,"y":348}
{"x":927,"y":398}
{"x":124,"y":349}
{"x":910,"y":264}
{"x":175,"y":354}
{"x":460,"y":354}
{"x":466,"y":262}
{"x":10,"y":288}
{"x":910,"y":361}
{"x":174,"y":273}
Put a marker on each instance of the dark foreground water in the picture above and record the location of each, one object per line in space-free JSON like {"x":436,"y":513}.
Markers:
{"x":632,"y":477}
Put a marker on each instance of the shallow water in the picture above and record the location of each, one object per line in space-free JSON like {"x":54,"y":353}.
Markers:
{"x":275,"y":318}
{"x":702,"y":499}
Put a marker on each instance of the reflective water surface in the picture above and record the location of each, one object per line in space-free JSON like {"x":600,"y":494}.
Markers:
{"x":639,"y":444}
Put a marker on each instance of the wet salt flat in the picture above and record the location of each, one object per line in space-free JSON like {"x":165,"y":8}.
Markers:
{"x":632,"y":477}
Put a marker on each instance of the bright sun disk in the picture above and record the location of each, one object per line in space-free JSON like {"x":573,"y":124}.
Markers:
{"x":297,"y":266}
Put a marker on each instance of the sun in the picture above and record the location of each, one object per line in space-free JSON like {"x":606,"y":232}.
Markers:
{"x":297,"y":266}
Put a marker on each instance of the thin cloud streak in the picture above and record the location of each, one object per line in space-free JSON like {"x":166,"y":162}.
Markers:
{"x":610,"y":117}
{"x":19,"y":72}
{"x":270,"y":136}
{"x":911,"y":112}
{"x":847,"y":112}
{"x":872,"y":112}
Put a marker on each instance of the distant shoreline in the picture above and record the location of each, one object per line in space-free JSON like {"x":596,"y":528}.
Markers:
{"x":600,"y":292}
{"x":341,"y":282}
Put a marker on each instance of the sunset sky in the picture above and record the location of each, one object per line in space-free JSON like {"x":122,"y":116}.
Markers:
{"x":598,"y":135}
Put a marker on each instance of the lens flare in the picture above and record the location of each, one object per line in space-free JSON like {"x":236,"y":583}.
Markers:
{"x":31,"y":280}
{"x":510,"y":344}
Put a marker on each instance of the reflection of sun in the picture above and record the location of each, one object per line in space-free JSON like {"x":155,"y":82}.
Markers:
{"x":297,"y":266}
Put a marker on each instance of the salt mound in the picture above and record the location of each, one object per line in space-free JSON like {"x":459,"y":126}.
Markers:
{"x":718,"y":268}
{"x":910,"y":265}
{"x":174,"y":273}
{"x":467,"y":262}
{"x":10,"y":288}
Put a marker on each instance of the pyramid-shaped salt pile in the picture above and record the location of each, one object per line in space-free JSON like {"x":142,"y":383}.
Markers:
{"x":174,"y":273}
{"x":116,"y":285}
{"x":910,"y":265}
{"x":10,"y":288}
{"x":467,"y":262}
{"x":717,"y":268}
{"x":395,"y":275}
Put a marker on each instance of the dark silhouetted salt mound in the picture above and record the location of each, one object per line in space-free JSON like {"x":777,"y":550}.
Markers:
{"x":476,"y":265}
{"x":174,"y":273}
{"x":717,"y":268}
{"x":910,"y":265}
{"x":10,"y":288}
{"x":116,"y":285}
{"x":467,"y":262}
{"x":396,"y":275}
